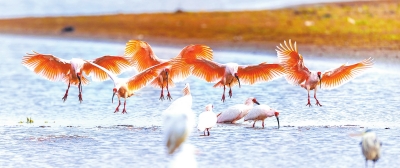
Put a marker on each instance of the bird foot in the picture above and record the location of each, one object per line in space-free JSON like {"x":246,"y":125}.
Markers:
{"x":80,"y":97}
{"x":169,"y":97}
{"x":124,"y":111}
{"x":65,"y":97}
{"x":223,"y":98}
{"x":318,"y":104}
{"x":162,"y":97}
{"x":308,"y":104}
{"x":230,"y":93}
{"x":116,"y":110}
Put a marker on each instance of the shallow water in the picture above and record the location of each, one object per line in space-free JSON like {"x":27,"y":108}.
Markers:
{"x":71,"y":134}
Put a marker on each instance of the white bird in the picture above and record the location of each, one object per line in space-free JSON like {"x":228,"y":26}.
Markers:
{"x":178,"y":120}
{"x":236,"y":112}
{"x":370,"y":147}
{"x":261,"y":112}
{"x":207,"y":120}
{"x":125,"y":87}
{"x":71,"y":71}
{"x":185,"y":158}
{"x":298,"y":73}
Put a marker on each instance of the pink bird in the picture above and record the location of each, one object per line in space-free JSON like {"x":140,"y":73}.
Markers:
{"x":261,"y":112}
{"x":228,"y":74}
{"x":71,"y":71}
{"x":236,"y":112}
{"x":143,"y":57}
{"x":298,"y":73}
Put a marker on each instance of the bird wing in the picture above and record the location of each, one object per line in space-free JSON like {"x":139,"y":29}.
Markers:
{"x":293,"y":63}
{"x":230,"y":114}
{"x":113,"y":77}
{"x":262,"y":72}
{"x":141,"y":55}
{"x":341,"y":75}
{"x":207,"y":70}
{"x":143,"y":78}
{"x":189,"y":53}
{"x":48,"y":66}
{"x":115,"y":64}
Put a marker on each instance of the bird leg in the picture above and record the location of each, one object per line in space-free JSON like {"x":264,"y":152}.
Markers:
{"x":230,"y":92}
{"x":208,"y":132}
{"x":254,"y":123}
{"x":204,"y":132}
{"x":308,"y":104}
{"x":168,"y":95}
{"x":162,"y":93}
{"x":66,"y":92}
{"x":80,"y":92}
{"x":223,"y":95}
{"x":124,"y":111}
{"x":366,"y":162}
{"x":315,"y":96}
{"x":263,"y":123}
{"x":119,"y":103}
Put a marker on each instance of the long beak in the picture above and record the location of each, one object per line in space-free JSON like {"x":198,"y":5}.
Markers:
{"x":237,"y":77}
{"x":257,"y":102}
{"x":277,"y":119}
{"x":320,"y":81}
{"x":112,"y":99}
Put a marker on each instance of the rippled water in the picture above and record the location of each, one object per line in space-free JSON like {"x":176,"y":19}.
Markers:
{"x":71,"y":134}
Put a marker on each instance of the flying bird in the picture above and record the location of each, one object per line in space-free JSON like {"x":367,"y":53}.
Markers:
{"x":125,"y":87}
{"x":207,"y":120}
{"x":237,"y":112}
{"x":71,"y":71}
{"x":298,"y":73}
{"x":178,"y":120}
{"x":261,"y":112}
{"x":230,"y":74}
{"x":142,"y":56}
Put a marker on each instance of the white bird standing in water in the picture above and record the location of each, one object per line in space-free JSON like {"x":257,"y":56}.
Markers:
{"x":185,"y":158}
{"x":261,"y":112}
{"x":370,"y":146}
{"x":207,"y":120}
{"x":236,"y":112}
{"x":125,"y":87}
{"x":178,"y":121}
{"x":71,"y":71}
{"x":298,"y":73}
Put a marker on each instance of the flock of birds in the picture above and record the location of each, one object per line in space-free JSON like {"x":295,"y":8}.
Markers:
{"x":197,"y":60}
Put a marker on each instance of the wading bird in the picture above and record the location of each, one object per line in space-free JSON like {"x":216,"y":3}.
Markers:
{"x":230,"y":74}
{"x":236,"y":112}
{"x":207,"y":120}
{"x":142,"y":56}
{"x":298,"y":73}
{"x":370,"y":146}
{"x":125,"y":87}
{"x":71,"y":71}
{"x":261,"y":112}
{"x":178,"y":120}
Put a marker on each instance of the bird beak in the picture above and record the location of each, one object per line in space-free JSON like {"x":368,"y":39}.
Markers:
{"x":257,"y":102}
{"x":320,"y":81}
{"x":277,"y":119}
{"x":112,"y":99}
{"x":237,"y":77}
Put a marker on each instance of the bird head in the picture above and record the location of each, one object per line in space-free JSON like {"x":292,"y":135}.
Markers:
{"x":209,"y":107}
{"x":114,"y":91}
{"x":255,"y":101}
{"x":277,"y":117}
{"x":319,"y":77}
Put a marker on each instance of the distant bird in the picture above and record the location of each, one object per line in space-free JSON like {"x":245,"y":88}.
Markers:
{"x":185,"y":158}
{"x":228,"y":74}
{"x":142,"y":57}
{"x":125,"y":87}
{"x":370,"y":146}
{"x":71,"y":71}
{"x":67,"y":29}
{"x":207,"y":120}
{"x":178,"y":120}
{"x":261,"y":112}
{"x":298,"y":73}
{"x":236,"y":112}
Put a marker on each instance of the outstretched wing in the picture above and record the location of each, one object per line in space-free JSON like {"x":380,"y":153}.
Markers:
{"x":113,"y":77}
{"x":141,"y":55}
{"x":188,"y":54}
{"x":293,"y":63}
{"x":208,"y":70}
{"x":341,"y":75}
{"x":115,"y":64}
{"x":263,"y":72}
{"x":48,"y":66}
{"x":145,"y":77}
